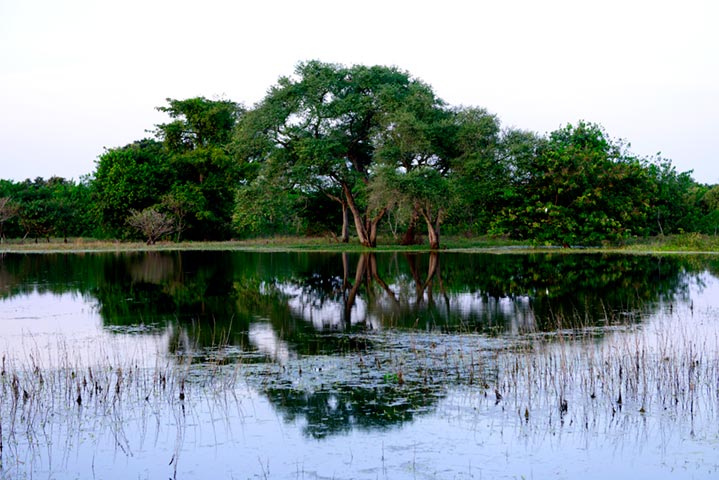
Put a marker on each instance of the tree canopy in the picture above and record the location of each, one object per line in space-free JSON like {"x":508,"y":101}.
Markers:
{"x":332,"y":147}
{"x":187,"y":171}
{"x":326,"y":128}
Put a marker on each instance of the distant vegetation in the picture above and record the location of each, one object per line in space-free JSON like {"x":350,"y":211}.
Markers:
{"x":367,"y":151}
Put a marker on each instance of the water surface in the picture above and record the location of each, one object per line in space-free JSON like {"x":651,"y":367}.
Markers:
{"x":312,"y":365}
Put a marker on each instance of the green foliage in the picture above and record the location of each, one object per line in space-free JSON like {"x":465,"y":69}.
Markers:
{"x":580,"y":187}
{"x":8,"y":210}
{"x":197,"y":123}
{"x":189,"y":172}
{"x":677,"y":205}
{"x":182,"y":202}
{"x":205,"y":174}
{"x":708,"y":223}
{"x":375,"y":142}
{"x":42,"y":208}
{"x":324,"y":130}
{"x":479,"y":173}
{"x":132,"y":177}
{"x":262,"y":209}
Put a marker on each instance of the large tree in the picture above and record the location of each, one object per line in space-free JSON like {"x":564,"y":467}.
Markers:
{"x":321,"y":129}
{"x":579,"y":187}
{"x":205,"y":174}
{"x":132,"y":177}
{"x":480,"y":171}
{"x":417,"y":135}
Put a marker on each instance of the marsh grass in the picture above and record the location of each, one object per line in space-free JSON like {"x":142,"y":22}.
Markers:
{"x":593,"y":381}
{"x":685,"y":242}
{"x":621,"y":380}
{"x":73,"y":403}
{"x":599,"y":381}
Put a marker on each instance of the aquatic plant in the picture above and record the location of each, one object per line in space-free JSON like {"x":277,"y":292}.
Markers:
{"x":72,"y":403}
{"x":623,"y":380}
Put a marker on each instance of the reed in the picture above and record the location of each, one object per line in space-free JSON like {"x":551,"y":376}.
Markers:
{"x":608,"y":381}
{"x":583,"y":380}
{"x":48,"y":404}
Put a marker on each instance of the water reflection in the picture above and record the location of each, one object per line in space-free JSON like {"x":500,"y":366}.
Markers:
{"x":379,"y":346}
{"x":283,"y":307}
{"x":480,"y":354}
{"x":217,"y":296}
{"x":326,"y":413}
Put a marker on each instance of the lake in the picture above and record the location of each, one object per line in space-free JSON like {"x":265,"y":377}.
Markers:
{"x":244,"y":365}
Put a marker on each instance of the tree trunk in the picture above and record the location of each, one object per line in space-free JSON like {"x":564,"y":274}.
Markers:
{"x":180,"y":228}
{"x":366,"y":227}
{"x":352,"y":295}
{"x":433,"y":238}
{"x":345,"y":224}
{"x":345,"y":235}
{"x":373,"y":227}
{"x":410,"y":235}
{"x":359,"y":224}
{"x":432,"y":230}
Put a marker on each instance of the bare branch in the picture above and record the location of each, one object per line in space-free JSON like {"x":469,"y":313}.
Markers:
{"x":151,"y":223}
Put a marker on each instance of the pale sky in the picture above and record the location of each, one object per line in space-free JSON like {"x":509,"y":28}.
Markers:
{"x":80,"y":75}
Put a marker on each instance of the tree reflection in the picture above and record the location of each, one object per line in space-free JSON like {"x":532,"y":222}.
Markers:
{"x":325,"y":413}
{"x":361,"y":298}
{"x":308,"y":298}
{"x":281,"y":309}
{"x":481,"y":293}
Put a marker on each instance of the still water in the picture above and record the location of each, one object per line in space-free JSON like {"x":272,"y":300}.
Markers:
{"x":313,"y":365}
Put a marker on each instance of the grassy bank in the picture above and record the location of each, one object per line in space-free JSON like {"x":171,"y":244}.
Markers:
{"x":684,"y":243}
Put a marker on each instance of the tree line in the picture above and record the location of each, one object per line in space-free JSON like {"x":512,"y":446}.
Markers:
{"x":363,"y":151}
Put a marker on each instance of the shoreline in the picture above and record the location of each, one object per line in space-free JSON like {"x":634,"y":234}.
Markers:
{"x":678,"y":244}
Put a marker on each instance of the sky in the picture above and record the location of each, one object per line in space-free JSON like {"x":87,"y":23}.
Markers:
{"x":79,"y":76}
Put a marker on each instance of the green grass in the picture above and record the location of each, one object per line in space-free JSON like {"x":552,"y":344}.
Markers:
{"x":686,"y":242}
{"x":284,"y":243}
{"x":689,"y":242}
